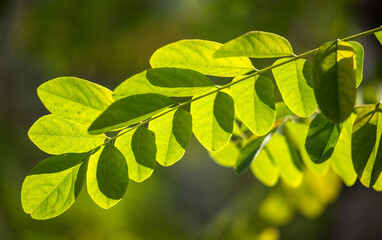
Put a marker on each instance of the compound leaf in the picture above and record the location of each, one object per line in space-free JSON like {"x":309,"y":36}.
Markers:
{"x":171,"y":82}
{"x":341,"y":159}
{"x":138,"y":147}
{"x":294,"y":81}
{"x":197,"y":55}
{"x":213,"y":118}
{"x":172,"y":135}
{"x":334,"y":80}
{"x":129,"y":110}
{"x":256,"y":44}
{"x":55,"y":135}
{"x":75,"y":99}
{"x":322,"y":138}
{"x":264,"y":168}
{"x":53,"y":185}
{"x":255,"y":103}
{"x":366,"y":145}
{"x":107,"y":176}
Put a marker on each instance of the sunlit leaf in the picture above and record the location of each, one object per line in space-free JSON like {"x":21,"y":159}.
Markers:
{"x":256,"y":44}
{"x":171,"y":82}
{"x":249,"y":152}
{"x":264,"y":167}
{"x":128,"y":111}
{"x":75,"y":99}
{"x":287,"y":160}
{"x":322,"y":138}
{"x":294,"y":81}
{"x":53,"y":185}
{"x":378,"y":35}
{"x":341,"y":159}
{"x":197,"y":55}
{"x":172,"y":135}
{"x":275,"y":208}
{"x":334,"y":80}
{"x":55,"y":135}
{"x":358,"y":51}
{"x":107,"y":176}
{"x":212,"y":120}
{"x":366,"y":145}
{"x":255,"y":103}
{"x":282,"y":110}
{"x":296,"y":134}
{"x":138,"y":147}
{"x":227,"y":156}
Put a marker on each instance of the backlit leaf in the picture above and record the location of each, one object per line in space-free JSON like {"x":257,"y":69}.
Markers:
{"x":358,"y":51}
{"x":55,"y":135}
{"x":296,"y":134}
{"x":341,"y":159}
{"x":171,"y":82}
{"x":128,"y":111}
{"x":197,"y":55}
{"x":107,"y":176}
{"x":334,"y":80}
{"x":227,"y":156}
{"x":287,"y":160}
{"x":75,"y":99}
{"x":256,"y":44}
{"x":53,"y":185}
{"x":172,"y":135}
{"x":138,"y":147}
{"x":249,"y":152}
{"x":294,"y":81}
{"x":212,"y":120}
{"x":366,"y":145}
{"x":322,"y":138}
{"x":378,"y":35}
{"x":255,"y":103}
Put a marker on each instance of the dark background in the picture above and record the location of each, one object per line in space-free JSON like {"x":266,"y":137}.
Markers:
{"x":108,"y":41}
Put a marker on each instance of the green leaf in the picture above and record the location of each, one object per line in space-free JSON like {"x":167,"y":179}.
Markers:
{"x":256,"y":44}
{"x":55,"y":135}
{"x":358,"y":52}
{"x":197,"y":55}
{"x":322,"y":138}
{"x":107,"y":176}
{"x":296,"y":134}
{"x":366,"y":145}
{"x":341,"y":159}
{"x":75,"y":99}
{"x":255,"y":103}
{"x":213,"y":118}
{"x":265,"y":169}
{"x":172,"y":135}
{"x":249,"y":152}
{"x":171,"y":82}
{"x":53,"y":185}
{"x":294,"y":81}
{"x":378,"y":35}
{"x":138,"y":147}
{"x":334,"y":80}
{"x":128,"y":111}
{"x":227,"y":156}
{"x":282,"y":110}
{"x":287,"y":160}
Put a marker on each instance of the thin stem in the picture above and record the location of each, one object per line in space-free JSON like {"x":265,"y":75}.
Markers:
{"x":258,"y":72}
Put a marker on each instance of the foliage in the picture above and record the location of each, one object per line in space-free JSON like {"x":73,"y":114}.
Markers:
{"x":151,"y":116}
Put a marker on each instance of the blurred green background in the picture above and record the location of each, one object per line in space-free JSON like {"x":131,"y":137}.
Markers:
{"x":108,"y":41}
